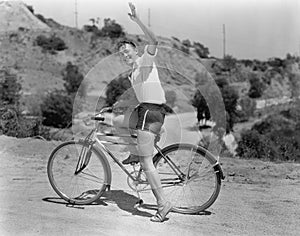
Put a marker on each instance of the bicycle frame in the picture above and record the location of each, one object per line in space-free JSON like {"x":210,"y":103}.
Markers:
{"x":176,"y":169}
{"x":93,"y":138}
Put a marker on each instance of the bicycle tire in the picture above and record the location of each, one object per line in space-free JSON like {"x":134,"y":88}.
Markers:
{"x":202,"y":186}
{"x":84,"y":187}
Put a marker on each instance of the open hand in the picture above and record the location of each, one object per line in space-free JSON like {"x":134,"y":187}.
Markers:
{"x":132,"y":15}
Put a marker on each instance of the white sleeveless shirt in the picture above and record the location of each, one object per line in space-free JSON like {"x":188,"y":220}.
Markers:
{"x":145,"y":80}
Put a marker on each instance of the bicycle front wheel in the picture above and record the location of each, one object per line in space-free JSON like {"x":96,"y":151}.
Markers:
{"x":77,"y":172}
{"x":190,"y":176}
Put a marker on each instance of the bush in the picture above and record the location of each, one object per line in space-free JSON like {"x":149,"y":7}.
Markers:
{"x":273,"y":123}
{"x":116,"y":88}
{"x":202,"y":52}
{"x":57,"y":109}
{"x":274,"y":138}
{"x":229,"y":63}
{"x":41,"y":18}
{"x":257,"y":87}
{"x":10,"y":89}
{"x":90,"y":28}
{"x":51,"y":44}
{"x":73,"y":80}
{"x":185,"y":49}
{"x":254,"y":145}
{"x":112,"y":29}
{"x":12,"y":122}
{"x":230,"y":98}
{"x":187,"y":43}
{"x":248,"y":107}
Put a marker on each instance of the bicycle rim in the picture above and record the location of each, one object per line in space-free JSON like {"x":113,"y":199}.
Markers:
{"x":83,"y":187}
{"x":200,"y":188}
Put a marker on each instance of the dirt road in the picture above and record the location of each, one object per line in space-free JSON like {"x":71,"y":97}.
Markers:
{"x":257,"y":198}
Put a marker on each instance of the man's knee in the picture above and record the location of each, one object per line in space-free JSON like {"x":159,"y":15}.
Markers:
{"x":118,"y":121}
{"x":145,"y":142}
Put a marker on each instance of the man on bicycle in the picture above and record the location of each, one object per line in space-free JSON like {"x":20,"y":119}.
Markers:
{"x":148,"y":116}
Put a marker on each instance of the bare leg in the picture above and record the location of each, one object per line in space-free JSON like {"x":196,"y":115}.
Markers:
{"x":122,"y":124}
{"x":146,"y":148}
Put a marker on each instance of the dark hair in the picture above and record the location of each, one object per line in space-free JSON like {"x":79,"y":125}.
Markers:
{"x":120,"y":44}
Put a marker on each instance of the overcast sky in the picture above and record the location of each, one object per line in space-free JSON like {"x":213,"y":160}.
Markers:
{"x":255,"y":29}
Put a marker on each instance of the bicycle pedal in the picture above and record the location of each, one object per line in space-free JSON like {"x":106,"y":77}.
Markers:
{"x":138,"y":204}
{"x":134,"y":163}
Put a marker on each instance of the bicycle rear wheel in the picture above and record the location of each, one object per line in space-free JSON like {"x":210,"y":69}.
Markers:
{"x":191,"y":179}
{"x":77,"y":172}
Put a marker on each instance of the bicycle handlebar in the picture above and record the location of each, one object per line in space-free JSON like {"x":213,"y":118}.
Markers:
{"x":98,"y":116}
{"x":105,"y":109}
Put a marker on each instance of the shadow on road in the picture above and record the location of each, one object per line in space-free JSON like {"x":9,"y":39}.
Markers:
{"x":124,"y":201}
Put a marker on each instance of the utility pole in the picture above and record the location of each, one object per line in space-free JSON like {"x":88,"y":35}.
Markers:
{"x":76,"y":15}
{"x":149,"y":25}
{"x":224,"y":41}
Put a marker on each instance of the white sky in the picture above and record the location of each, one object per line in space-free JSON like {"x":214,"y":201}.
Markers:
{"x":254,"y":28}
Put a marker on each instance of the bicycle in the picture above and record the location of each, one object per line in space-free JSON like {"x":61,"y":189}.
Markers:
{"x":80,"y":173}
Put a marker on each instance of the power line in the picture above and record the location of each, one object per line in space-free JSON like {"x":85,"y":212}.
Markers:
{"x":149,"y":25}
{"x":224,"y":41}
{"x":76,"y":15}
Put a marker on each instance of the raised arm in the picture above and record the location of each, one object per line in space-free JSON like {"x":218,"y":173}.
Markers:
{"x":148,"y":33}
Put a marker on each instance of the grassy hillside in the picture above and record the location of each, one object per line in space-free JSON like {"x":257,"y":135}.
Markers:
{"x":95,"y":56}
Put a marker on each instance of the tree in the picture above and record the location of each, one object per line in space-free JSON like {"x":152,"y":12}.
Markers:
{"x":229,"y":63}
{"x":10,"y":89}
{"x":112,"y":29}
{"x":230,"y":98}
{"x":57,"y":109}
{"x":187,"y":43}
{"x":51,"y":44}
{"x":257,"y":87}
{"x":201,"y":51}
{"x":116,"y":88}
{"x":73,"y":80}
{"x":12,"y":122}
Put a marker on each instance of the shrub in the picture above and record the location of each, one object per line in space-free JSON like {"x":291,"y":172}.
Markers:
{"x":273,"y":123}
{"x":257,"y":87}
{"x":230,"y":98}
{"x":73,"y":80}
{"x":248,"y":107}
{"x":116,"y":88}
{"x":112,"y":29}
{"x":57,"y":109}
{"x":274,"y":138}
{"x":41,"y":18}
{"x":10,"y":89}
{"x":51,"y":44}
{"x":229,"y":63}
{"x":254,"y":145}
{"x":90,"y":28}
{"x":30,"y":8}
{"x":185,"y":49}
{"x":287,"y":142}
{"x":201,"y":50}
{"x":12,"y":122}
{"x":187,"y":43}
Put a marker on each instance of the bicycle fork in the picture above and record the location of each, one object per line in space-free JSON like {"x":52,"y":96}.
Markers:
{"x":83,"y":160}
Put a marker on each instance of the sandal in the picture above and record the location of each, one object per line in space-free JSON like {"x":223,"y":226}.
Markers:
{"x":160,"y":215}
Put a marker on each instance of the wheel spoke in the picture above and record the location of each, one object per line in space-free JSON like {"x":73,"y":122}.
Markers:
{"x":90,"y":181}
{"x":200,"y":188}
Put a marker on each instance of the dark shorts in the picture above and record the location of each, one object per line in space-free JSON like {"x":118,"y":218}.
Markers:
{"x":148,"y":116}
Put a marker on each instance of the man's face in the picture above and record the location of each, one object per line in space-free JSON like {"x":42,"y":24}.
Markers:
{"x":128,"y":53}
